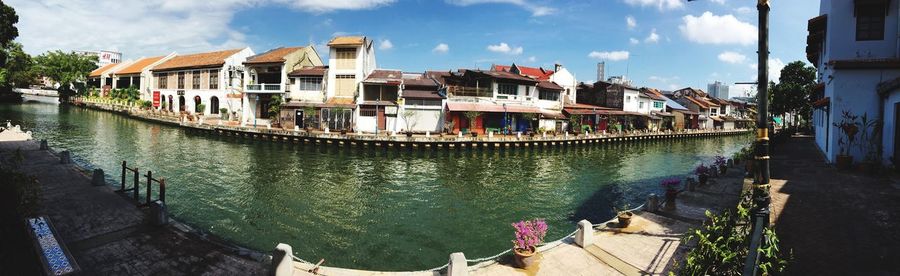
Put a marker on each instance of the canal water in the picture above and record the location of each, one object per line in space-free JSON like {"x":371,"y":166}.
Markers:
{"x":368,"y":208}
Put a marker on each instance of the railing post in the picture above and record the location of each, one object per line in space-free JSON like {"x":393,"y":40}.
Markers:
{"x":149,"y":187}
{"x":162,"y":190}
{"x":123,"y":176}
{"x":137,"y":177}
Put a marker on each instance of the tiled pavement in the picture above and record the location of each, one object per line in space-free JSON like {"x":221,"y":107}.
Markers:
{"x":108,"y":235}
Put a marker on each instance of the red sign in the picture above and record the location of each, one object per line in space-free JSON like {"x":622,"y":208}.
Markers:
{"x":155,"y":98}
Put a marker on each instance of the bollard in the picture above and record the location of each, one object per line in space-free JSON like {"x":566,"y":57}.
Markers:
{"x":98,"y":178}
{"x":458,"y":265}
{"x":490,"y":134}
{"x":584,"y":236}
{"x":652,"y":203}
{"x":44,"y":145}
{"x":65,"y":157}
{"x":427,"y":134}
{"x":158,"y":214}
{"x":296,"y":128}
{"x":282,"y":260}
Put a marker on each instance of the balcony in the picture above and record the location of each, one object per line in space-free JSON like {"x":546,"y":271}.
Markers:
{"x":470,"y":91}
{"x":264,"y":88}
{"x":514,"y":97}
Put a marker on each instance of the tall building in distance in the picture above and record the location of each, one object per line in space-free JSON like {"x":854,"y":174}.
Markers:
{"x":103,"y":57}
{"x":601,"y":71}
{"x":718,"y":90}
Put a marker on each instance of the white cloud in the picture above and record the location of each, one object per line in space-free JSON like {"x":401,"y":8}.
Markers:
{"x":652,"y":38}
{"x":775,"y":66}
{"x":173,"y":25}
{"x":662,"y":5}
{"x":611,"y":56}
{"x":720,"y":2}
{"x":732,"y":57}
{"x":532,"y":59}
{"x":634,"y":41}
{"x":505,"y":49}
{"x":441,"y":48}
{"x":536,"y":10}
{"x":631,"y":22}
{"x":714,"y":29}
{"x":385,"y":45}
{"x":743,"y":10}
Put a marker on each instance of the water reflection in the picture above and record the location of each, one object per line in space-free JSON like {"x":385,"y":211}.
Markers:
{"x":368,"y":208}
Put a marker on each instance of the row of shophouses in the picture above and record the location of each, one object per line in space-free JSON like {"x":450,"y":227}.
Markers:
{"x":352,"y":94}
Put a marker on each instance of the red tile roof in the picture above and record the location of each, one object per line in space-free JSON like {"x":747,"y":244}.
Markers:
{"x":198,"y":60}
{"x":138,"y":66}
{"x":309,"y":71}
{"x":532,"y":72}
{"x":99,"y":71}
{"x":273,"y":56}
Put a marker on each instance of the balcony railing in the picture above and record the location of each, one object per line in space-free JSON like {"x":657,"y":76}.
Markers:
{"x":470,"y":91}
{"x":264,"y":88}
{"x":514,"y":97}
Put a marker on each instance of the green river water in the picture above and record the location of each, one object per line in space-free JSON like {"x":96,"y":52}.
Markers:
{"x":368,"y":208}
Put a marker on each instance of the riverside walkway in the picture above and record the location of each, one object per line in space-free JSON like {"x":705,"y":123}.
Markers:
{"x":108,"y":235}
{"x":650,"y":245}
{"x":387,"y":140}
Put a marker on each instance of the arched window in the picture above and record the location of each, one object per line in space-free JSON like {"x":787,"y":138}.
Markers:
{"x":197,"y":103}
{"x":170,"y":103}
{"x":181,"y":103}
{"x":214,"y":105}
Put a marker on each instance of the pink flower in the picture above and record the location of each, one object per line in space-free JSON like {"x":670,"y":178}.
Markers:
{"x":529,"y":233}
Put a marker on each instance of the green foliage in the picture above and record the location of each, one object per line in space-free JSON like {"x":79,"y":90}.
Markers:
{"x":17,"y":68}
{"x":146,"y":104}
{"x":723,"y":245}
{"x":8,"y":20}
{"x":575,"y":122}
{"x":200,"y":108}
{"x":409,"y":116}
{"x":67,"y":69}
{"x":472,"y":116}
{"x":24,"y":189}
{"x":793,"y":93}
{"x":275,"y":107}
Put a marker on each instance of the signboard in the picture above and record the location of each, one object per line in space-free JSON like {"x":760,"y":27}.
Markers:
{"x":180,"y":92}
{"x":155,"y":98}
{"x":105,"y":90}
{"x":391,"y":110}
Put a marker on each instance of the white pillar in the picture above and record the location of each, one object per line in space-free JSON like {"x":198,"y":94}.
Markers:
{"x":585,"y":234}
{"x":458,"y":265}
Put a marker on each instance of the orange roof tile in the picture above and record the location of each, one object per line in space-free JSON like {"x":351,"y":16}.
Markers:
{"x":99,"y":71}
{"x":273,"y":56}
{"x":138,"y":66}
{"x":199,"y":60}
{"x":347,"y":41}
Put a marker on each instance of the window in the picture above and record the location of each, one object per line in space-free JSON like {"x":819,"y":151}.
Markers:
{"x":641,"y":105}
{"x":870,"y":22}
{"x":162,"y":81}
{"x":548,"y":95}
{"x":213,"y":79}
{"x":528,"y":91}
{"x":195,"y":80}
{"x":346,"y":58}
{"x":507,"y":89}
{"x":180,"y":80}
{"x":627,"y":99}
{"x":368,"y":111}
{"x":657,"y":105}
{"x":345,"y":85}
{"x":310,"y":83}
{"x":123,"y":82}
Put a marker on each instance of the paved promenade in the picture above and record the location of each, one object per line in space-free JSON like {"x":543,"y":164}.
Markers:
{"x":108,"y":235}
{"x":835,"y":222}
{"x":651,"y":245}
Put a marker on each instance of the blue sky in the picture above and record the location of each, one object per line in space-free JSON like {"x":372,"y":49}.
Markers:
{"x":669,"y":43}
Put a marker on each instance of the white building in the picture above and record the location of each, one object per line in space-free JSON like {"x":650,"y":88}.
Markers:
{"x":855,"y":45}
{"x":351,"y":59}
{"x":718,"y":90}
{"x":213,"y":79}
{"x":103,"y":57}
{"x":102,"y":78}
{"x":137,"y":74}
{"x":266,"y":75}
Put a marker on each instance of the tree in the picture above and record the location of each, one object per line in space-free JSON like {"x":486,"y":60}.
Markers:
{"x":792,"y":95}
{"x":275,"y":108}
{"x":409,"y":117}
{"x":18,"y":69}
{"x":70,"y":70}
{"x":8,"y":20}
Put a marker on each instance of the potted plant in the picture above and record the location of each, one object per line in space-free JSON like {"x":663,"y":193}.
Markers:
{"x":671,"y":187}
{"x":529,"y":234}
{"x":721,"y":164}
{"x":224,"y":113}
{"x":310,"y":113}
{"x":624,"y":216}
{"x":409,"y":117}
{"x":472,"y":116}
{"x":848,"y":127}
{"x":869,"y":144}
{"x":702,"y":172}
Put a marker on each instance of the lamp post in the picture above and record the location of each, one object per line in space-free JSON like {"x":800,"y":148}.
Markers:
{"x":761,"y":175}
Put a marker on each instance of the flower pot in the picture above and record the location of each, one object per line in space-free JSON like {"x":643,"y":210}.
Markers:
{"x":844,"y":162}
{"x":702,"y":178}
{"x":624,"y":218}
{"x":671,"y":195}
{"x":525,"y":257}
{"x":409,"y":134}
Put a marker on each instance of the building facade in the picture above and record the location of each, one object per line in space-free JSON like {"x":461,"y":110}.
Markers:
{"x":212,"y":80}
{"x":266,"y":76}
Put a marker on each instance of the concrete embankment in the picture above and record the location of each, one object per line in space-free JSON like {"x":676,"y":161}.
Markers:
{"x":107,"y":233}
{"x":429,"y":141}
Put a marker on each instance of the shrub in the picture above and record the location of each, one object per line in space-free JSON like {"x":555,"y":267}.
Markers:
{"x":146,"y":104}
{"x":529,"y":233}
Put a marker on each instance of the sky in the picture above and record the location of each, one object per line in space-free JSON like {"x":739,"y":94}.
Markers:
{"x":665,"y":44}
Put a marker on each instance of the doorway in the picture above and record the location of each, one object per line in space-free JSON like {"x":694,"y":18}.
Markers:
{"x":181,"y":104}
{"x":298,"y":118}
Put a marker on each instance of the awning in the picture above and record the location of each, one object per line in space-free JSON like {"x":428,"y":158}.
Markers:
{"x":687,"y":112}
{"x":663,"y":114}
{"x":421,"y":94}
{"x":485,"y":107}
{"x":553,"y":115}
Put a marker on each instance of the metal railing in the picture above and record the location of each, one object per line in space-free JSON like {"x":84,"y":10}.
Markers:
{"x":265,"y":87}
{"x":135,"y":188}
{"x":751,"y":264}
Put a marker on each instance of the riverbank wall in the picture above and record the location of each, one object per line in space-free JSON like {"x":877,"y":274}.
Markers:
{"x":215,"y":126}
